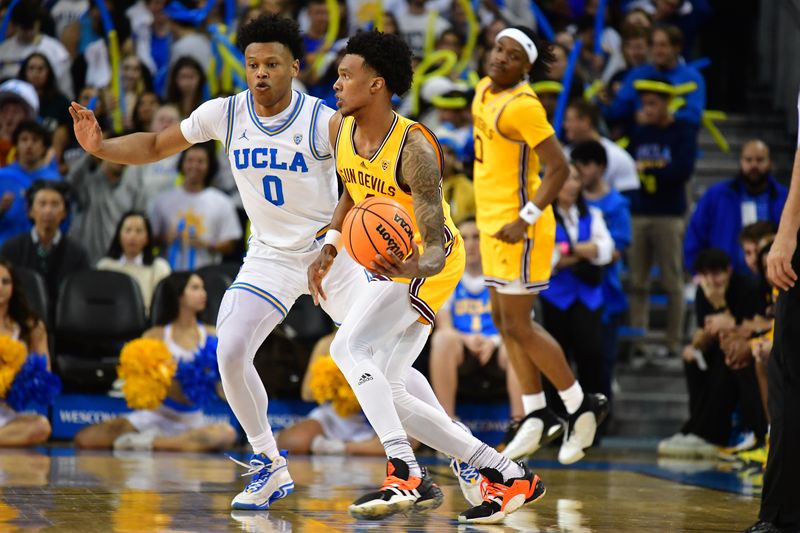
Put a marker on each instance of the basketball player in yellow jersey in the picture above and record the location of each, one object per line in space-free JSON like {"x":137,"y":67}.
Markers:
{"x":517,"y":237}
{"x":379,"y":153}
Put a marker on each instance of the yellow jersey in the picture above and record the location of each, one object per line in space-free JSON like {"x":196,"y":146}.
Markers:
{"x":507,"y":125}
{"x":377,"y":176}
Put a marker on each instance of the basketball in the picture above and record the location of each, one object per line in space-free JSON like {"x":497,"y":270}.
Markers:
{"x":377,"y":226}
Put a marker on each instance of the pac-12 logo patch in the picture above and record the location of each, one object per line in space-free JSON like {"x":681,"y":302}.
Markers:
{"x":385,"y":164}
{"x":298,"y":138}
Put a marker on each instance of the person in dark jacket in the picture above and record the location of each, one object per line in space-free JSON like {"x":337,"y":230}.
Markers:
{"x":664,"y":148}
{"x":44,"y":249}
{"x":727,"y":207}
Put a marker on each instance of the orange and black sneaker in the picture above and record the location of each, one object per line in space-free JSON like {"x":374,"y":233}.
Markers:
{"x":503,"y":497}
{"x":399,"y":493}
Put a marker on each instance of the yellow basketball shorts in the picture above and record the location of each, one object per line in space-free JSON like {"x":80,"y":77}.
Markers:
{"x":428,"y":295}
{"x":522,"y":267}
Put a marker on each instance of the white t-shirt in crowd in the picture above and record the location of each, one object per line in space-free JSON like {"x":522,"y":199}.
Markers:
{"x":13,"y":53}
{"x":413,"y":29}
{"x":621,"y":173}
{"x":209,"y":213}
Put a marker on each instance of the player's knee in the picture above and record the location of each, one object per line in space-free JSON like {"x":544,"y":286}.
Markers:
{"x":338,"y":349}
{"x":516,"y":328}
{"x":347,"y":353}
{"x":231,"y":351}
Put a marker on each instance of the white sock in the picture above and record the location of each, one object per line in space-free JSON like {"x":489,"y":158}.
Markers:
{"x":265,"y":443}
{"x":486,"y":457}
{"x":572,"y":397}
{"x":533,"y":402}
{"x":401,"y":449}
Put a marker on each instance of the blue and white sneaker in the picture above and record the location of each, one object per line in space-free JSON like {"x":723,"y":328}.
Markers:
{"x":271,"y":482}
{"x":469,"y":479}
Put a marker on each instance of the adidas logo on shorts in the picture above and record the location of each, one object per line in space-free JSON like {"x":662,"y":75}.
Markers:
{"x":364,"y":378}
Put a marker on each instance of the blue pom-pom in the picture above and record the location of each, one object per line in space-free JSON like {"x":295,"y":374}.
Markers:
{"x":199,"y":377}
{"x":33,"y":384}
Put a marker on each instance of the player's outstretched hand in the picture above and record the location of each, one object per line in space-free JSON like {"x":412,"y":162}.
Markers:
{"x":318,"y":270}
{"x":779,"y":261}
{"x":87,"y":130}
{"x":513,"y":231}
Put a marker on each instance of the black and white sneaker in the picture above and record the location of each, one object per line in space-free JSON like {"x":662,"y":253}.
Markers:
{"x":582,"y":427}
{"x":399,"y":493}
{"x":537,"y":429}
{"x":503,"y":497}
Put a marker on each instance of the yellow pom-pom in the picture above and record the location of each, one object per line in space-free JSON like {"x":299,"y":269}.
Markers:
{"x":329,"y":385}
{"x":12,"y":357}
{"x":147,"y":367}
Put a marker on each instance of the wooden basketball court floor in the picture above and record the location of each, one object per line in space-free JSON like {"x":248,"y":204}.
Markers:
{"x":56,"y":489}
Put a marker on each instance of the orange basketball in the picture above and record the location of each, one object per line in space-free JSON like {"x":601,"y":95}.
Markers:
{"x":377,"y":225}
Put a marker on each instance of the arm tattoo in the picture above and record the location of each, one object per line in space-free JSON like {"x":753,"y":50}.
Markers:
{"x":420,"y":170}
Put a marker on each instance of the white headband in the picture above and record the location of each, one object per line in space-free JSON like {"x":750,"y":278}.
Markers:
{"x":523,"y":40}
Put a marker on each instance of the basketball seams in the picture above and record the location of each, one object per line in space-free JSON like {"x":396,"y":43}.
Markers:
{"x":375,"y":201}
{"x":397,"y":234}
{"x":368,"y":235}
{"x":391,"y":226}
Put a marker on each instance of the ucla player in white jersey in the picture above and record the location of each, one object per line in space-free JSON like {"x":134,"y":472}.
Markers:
{"x":279,"y":149}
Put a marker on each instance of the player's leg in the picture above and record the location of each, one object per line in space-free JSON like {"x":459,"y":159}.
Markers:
{"x":513,"y":386}
{"x":447,"y":354}
{"x":25,"y":430}
{"x":245,"y":319}
{"x":529,"y":345}
{"x":102,"y":436}
{"x":343,"y":286}
{"x":380,"y":314}
{"x":512,"y":483}
{"x":585,"y":411}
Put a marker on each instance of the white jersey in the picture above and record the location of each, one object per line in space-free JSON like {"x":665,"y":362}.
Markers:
{"x":282,"y":166}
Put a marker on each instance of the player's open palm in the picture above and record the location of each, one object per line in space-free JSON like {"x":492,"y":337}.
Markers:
{"x":87,"y":129}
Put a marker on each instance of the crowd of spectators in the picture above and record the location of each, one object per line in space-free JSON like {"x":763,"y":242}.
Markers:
{"x":631,"y":123}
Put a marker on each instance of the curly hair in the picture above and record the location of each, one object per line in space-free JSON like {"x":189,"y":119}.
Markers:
{"x":272,"y":29}
{"x":388,"y":55}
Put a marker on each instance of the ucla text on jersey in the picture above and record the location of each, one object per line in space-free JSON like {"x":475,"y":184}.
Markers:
{"x":283,"y":169}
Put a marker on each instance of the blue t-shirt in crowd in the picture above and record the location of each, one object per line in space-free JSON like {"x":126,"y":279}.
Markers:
{"x":471,"y":310}
{"x":15,"y":180}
